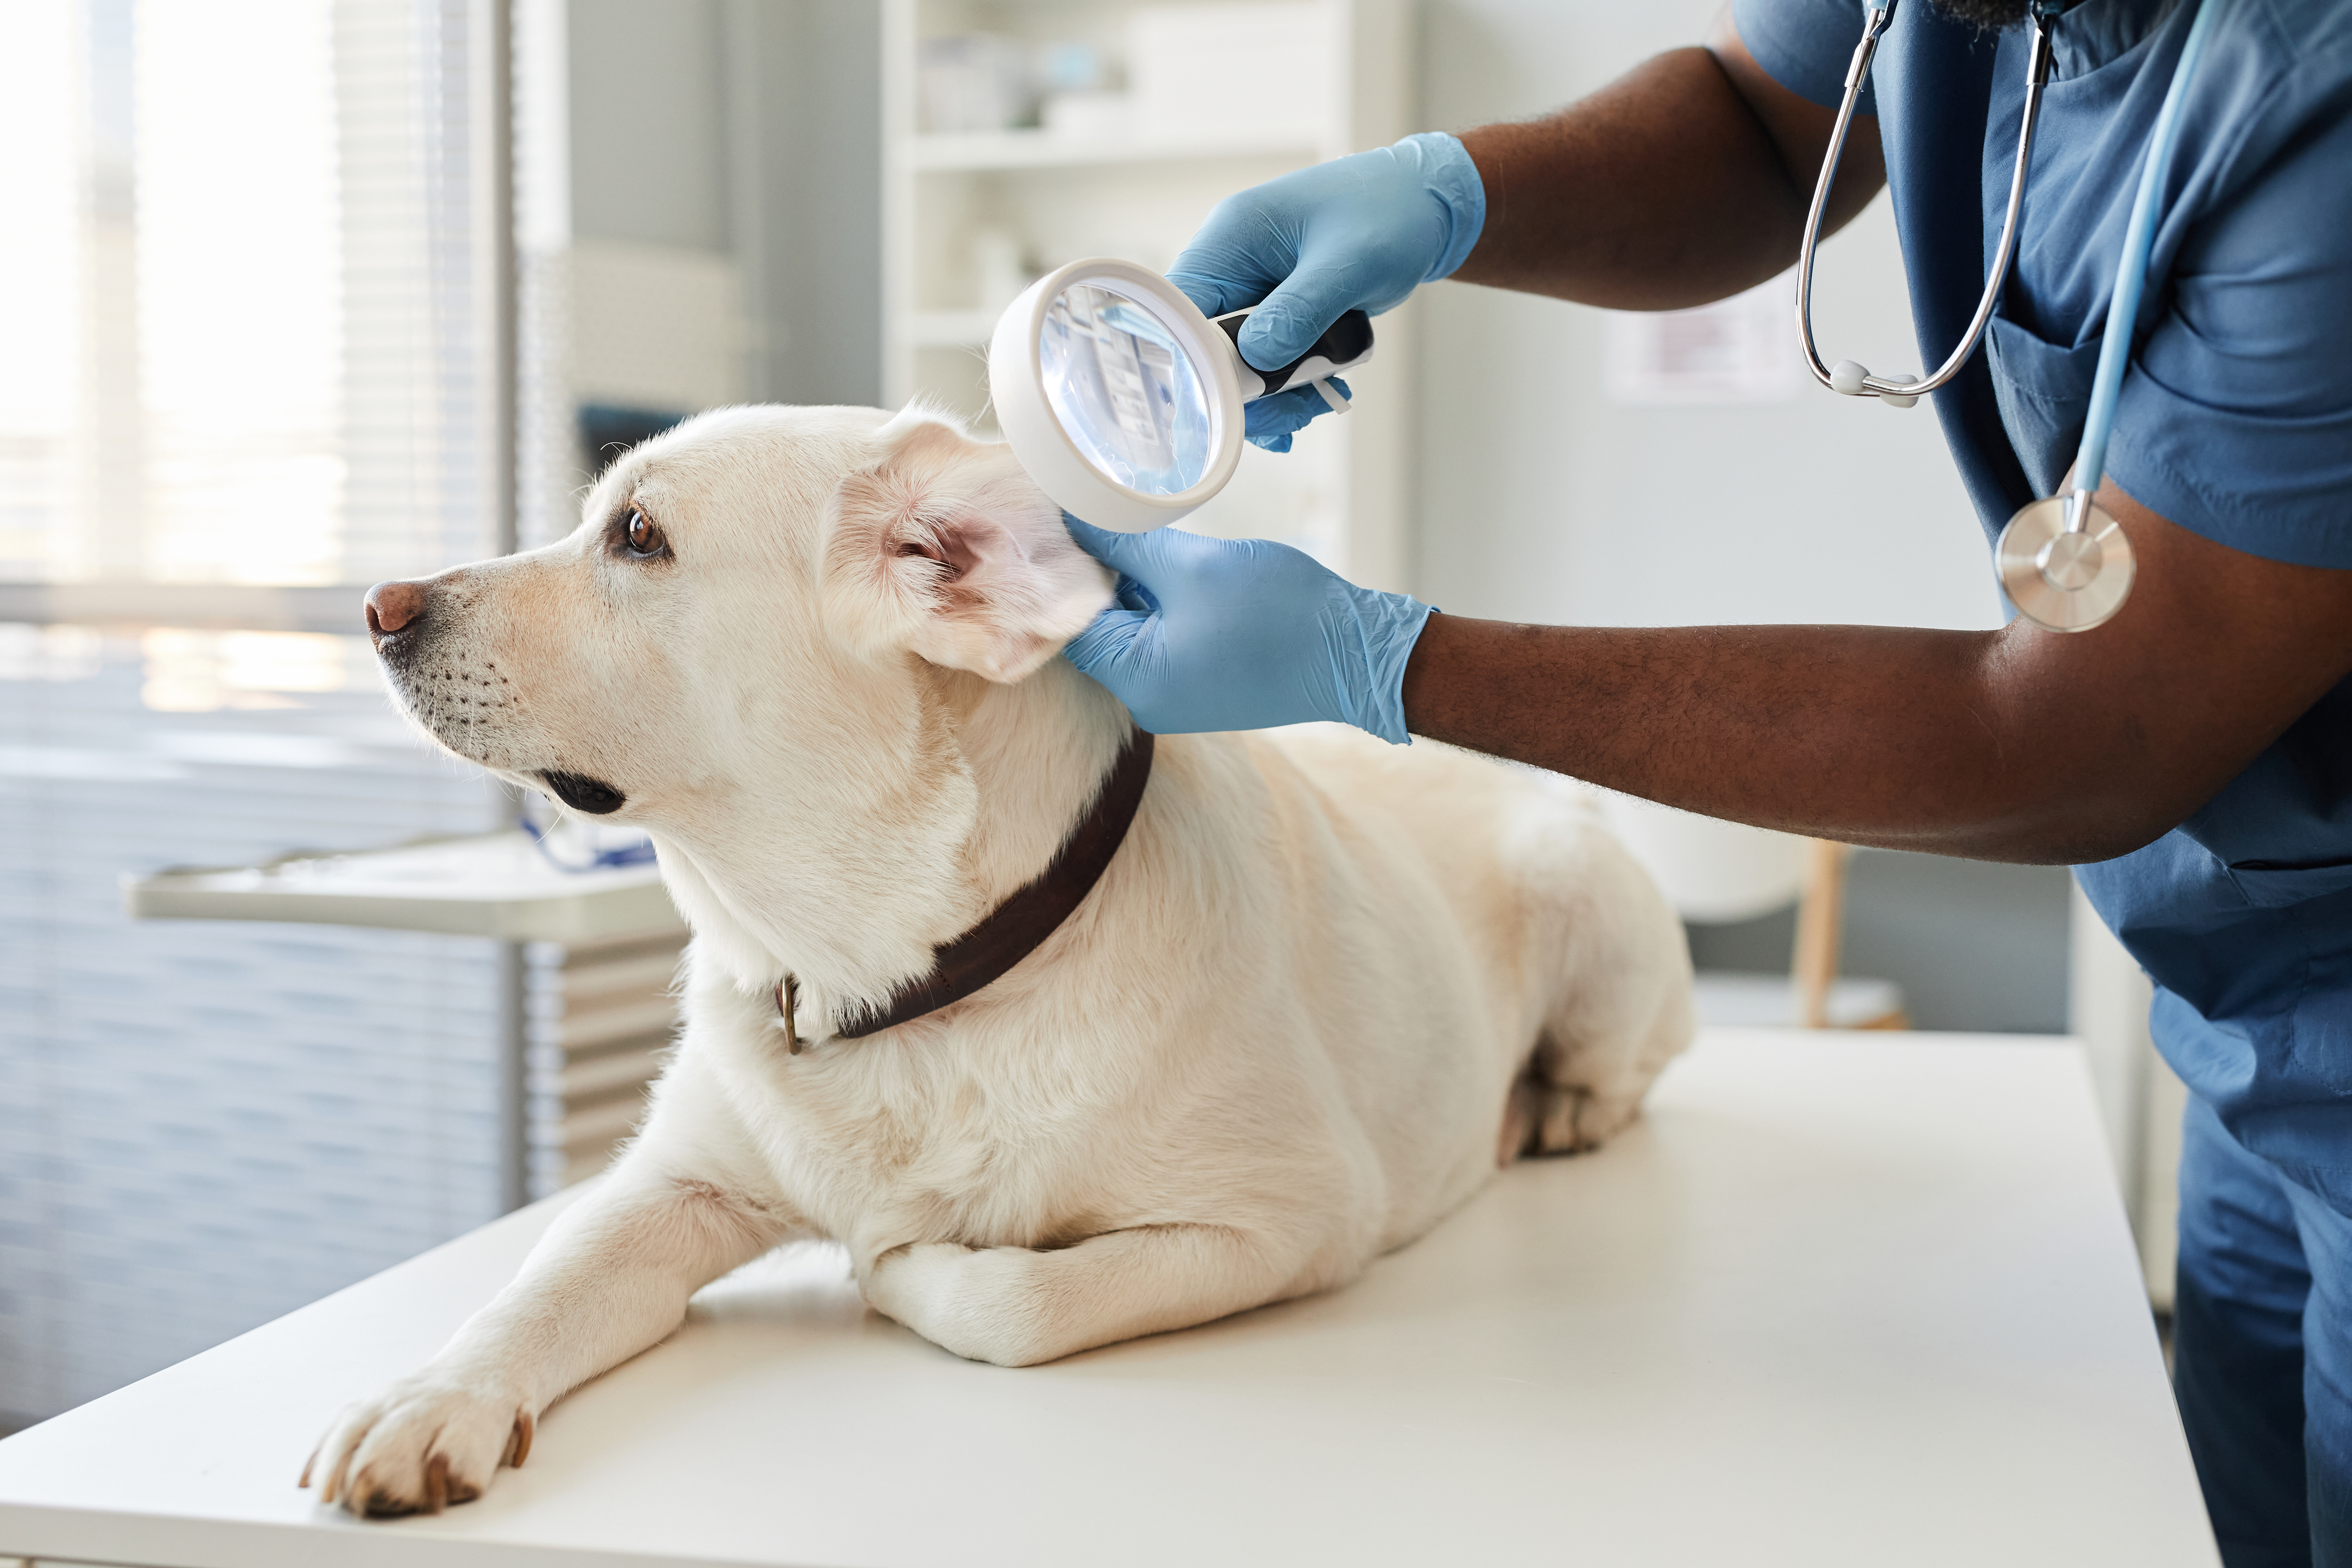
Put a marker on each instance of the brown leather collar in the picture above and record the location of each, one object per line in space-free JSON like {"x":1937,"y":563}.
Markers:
{"x":1020,"y":925}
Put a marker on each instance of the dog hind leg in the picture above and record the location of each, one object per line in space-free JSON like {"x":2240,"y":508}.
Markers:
{"x":1622,"y":1002}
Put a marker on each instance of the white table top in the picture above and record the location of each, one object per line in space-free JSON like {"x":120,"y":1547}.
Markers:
{"x":494,"y":885}
{"x":1840,"y":1299}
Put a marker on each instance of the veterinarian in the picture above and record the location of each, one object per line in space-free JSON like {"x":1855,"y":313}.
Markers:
{"x":2191,"y":757}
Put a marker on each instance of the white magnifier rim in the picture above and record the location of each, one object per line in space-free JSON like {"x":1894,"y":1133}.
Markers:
{"x":1017,"y":383}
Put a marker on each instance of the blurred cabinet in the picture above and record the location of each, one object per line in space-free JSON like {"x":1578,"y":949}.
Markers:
{"x":598,"y":1020}
{"x":599,"y":948}
{"x":1020,"y":134}
{"x":2141,"y":1100}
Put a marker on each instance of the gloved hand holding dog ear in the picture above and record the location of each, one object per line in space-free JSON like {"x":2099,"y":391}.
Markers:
{"x":1217,"y":633}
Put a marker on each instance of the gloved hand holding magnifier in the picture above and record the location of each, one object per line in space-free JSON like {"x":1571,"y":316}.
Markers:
{"x":1126,"y":403}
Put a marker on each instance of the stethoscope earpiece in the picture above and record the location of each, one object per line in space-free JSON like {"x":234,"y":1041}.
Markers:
{"x":1852,"y":378}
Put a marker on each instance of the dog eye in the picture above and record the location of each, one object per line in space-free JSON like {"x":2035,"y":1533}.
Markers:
{"x":643,"y":538}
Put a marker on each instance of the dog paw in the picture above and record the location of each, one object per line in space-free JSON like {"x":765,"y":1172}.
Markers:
{"x":1540,"y":1118}
{"x":421,"y":1445}
{"x":1577,"y":1120}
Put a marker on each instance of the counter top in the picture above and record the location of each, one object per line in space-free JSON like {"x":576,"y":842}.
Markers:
{"x":1860,"y":1300}
{"x":494,"y":885}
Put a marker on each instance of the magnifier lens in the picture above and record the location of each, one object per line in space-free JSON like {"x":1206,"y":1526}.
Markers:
{"x":1129,"y":398}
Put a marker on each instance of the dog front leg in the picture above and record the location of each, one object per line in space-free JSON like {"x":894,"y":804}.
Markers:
{"x":1017,"y":1306}
{"x":609,"y":1279}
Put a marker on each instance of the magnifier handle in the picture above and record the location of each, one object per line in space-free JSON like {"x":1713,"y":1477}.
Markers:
{"x":1347,"y":344}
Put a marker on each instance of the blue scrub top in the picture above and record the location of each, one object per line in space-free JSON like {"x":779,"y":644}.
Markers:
{"x":2235,"y":422}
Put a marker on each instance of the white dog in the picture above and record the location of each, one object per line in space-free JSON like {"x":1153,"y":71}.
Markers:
{"x":1320,"y":991}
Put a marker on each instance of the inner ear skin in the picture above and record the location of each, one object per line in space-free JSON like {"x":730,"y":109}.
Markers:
{"x":1001,"y":587}
{"x":939,"y":540}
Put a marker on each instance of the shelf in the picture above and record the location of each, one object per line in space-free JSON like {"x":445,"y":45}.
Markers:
{"x":981,"y":150}
{"x":497,"y":885}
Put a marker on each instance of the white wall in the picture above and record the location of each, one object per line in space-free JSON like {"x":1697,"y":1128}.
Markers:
{"x":725,"y":228}
{"x":656,"y":288}
{"x":648,"y":129}
{"x":1540,"y":499}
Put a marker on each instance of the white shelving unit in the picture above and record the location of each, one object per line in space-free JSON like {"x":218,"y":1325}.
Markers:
{"x":1053,"y":196}
{"x":600,"y":948}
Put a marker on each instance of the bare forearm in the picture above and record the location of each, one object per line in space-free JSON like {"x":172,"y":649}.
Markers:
{"x":2017,"y":745}
{"x":1683,"y":181}
{"x":1865,"y":735}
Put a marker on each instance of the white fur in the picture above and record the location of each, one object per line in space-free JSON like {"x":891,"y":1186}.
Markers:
{"x":1325,"y":986}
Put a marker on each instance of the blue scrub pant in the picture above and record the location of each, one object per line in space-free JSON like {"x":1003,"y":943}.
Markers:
{"x":2262,"y":1345}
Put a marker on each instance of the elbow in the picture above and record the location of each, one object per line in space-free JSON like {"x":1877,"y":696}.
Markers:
{"x":2071,"y":829}
{"x":2086,"y":846}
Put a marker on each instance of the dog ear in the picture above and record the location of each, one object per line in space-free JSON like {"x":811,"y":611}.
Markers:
{"x":947,"y":548}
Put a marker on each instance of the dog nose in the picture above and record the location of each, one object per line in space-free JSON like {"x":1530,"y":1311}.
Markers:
{"x":391,"y":605}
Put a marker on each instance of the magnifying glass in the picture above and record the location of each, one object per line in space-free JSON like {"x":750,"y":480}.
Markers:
{"x":1124,"y":403}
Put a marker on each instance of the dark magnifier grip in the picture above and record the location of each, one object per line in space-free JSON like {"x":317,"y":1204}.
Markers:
{"x":1344,"y":342}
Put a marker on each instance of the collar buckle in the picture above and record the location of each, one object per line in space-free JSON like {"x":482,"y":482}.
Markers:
{"x":1017,"y":927}
{"x":788,"y":1004}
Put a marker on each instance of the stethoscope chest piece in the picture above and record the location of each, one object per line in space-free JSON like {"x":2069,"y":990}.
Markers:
{"x":2063,"y":579}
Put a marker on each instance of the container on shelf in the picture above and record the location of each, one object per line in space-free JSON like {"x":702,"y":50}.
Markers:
{"x":1263,"y":69}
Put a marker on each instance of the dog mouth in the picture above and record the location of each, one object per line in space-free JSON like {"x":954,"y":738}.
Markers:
{"x":582,"y":793}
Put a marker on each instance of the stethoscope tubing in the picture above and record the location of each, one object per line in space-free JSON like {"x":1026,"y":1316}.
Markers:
{"x":1857,"y":73}
{"x":2131,"y":271}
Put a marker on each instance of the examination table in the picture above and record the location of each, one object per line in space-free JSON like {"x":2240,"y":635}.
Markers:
{"x":1860,"y":1300}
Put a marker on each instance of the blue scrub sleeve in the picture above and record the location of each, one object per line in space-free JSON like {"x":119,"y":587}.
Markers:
{"x":1806,"y":45}
{"x":2235,"y":421}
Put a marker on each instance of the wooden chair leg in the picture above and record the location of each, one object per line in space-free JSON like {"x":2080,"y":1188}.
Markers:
{"x":1821,"y":917}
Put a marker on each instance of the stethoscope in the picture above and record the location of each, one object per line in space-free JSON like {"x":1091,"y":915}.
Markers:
{"x":2064,"y":561}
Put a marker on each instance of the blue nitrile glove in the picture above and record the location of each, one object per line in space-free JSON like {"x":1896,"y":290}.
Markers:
{"x":1220,"y":633}
{"x":1270,"y":422}
{"x":1358,"y":233}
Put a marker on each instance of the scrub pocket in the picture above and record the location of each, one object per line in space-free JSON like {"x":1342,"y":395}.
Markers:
{"x":2271,"y":885}
{"x":2044,"y":391}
